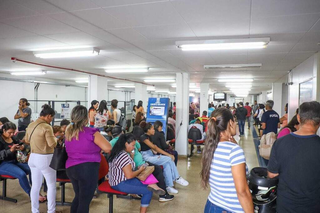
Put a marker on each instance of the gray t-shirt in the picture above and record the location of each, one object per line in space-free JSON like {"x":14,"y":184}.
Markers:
{"x":25,"y":121}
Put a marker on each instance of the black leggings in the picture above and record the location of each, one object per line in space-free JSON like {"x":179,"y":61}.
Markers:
{"x":158,"y":173}
{"x":84,"y":179}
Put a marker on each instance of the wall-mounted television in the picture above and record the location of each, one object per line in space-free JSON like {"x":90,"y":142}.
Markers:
{"x":219,"y":96}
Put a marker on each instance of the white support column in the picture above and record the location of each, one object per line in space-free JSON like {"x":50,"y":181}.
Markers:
{"x":97,"y":89}
{"x":141,"y":94}
{"x":204,"y":96}
{"x":264,"y":97}
{"x":182,"y":113}
{"x":277,"y":97}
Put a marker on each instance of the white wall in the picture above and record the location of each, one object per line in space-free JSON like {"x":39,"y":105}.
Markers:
{"x":12,"y":91}
{"x":309,"y":69}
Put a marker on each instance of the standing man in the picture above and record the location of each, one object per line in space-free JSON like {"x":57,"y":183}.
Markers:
{"x":270,"y":121}
{"x":254,"y":110}
{"x":241,"y":114}
{"x":210,"y":110}
{"x":295,"y":159}
{"x":23,"y":114}
{"x":249,"y":110}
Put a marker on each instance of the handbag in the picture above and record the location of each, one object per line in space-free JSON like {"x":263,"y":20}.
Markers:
{"x":59,"y":158}
{"x":145,"y":173}
{"x":151,"y":179}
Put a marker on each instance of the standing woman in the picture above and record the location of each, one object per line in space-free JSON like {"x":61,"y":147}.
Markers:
{"x":83,"y":146}
{"x":114,"y":113}
{"x":42,"y":142}
{"x":102,"y":116}
{"x":140,"y":108}
{"x":139,"y":119}
{"x":224,"y":167}
{"x":93,"y":112}
{"x":23,"y":114}
{"x":134,"y":114}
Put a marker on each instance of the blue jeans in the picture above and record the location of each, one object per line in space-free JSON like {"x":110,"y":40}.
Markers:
{"x":170,"y":171}
{"x":17,"y":170}
{"x":241,"y":126}
{"x":134,"y":186}
{"x":212,"y":208}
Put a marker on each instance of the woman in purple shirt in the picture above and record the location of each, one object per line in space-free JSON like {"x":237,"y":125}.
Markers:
{"x":83,"y":146}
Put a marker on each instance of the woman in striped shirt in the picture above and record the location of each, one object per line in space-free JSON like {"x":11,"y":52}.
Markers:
{"x":224,"y":167}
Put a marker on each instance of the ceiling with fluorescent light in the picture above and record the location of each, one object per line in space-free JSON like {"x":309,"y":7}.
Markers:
{"x":142,"y":33}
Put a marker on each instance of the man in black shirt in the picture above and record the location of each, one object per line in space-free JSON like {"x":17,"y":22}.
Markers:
{"x":295,"y":158}
{"x":241,"y":114}
{"x":270,"y":121}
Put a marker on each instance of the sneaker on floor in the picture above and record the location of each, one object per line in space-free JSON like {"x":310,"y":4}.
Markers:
{"x":182,"y":181}
{"x":172,"y":190}
{"x":165,"y":198}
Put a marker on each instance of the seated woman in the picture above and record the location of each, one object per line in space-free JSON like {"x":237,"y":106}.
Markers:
{"x":165,"y":159}
{"x":121,"y":174}
{"x":158,"y":139}
{"x":139,"y":118}
{"x":292,"y":126}
{"x":9,"y":165}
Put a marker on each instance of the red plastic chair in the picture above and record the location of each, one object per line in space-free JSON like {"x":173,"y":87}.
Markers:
{"x":4,"y":178}
{"x":105,"y":186}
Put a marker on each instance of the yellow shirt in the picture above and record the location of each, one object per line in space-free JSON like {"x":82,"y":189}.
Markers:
{"x":42,"y":140}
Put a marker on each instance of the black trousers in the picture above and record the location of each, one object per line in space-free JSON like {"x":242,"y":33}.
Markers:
{"x":84,"y":179}
{"x":158,"y":173}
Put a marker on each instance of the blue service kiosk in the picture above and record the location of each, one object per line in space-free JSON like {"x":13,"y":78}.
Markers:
{"x":158,"y":110}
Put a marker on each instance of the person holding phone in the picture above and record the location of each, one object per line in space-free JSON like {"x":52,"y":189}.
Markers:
{"x":23,"y":114}
{"x":9,"y":165}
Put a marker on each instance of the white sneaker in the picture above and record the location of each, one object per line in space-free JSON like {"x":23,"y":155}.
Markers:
{"x":182,"y":181}
{"x":172,"y":190}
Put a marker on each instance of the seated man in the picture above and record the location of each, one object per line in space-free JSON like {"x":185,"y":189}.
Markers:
{"x":199,"y":126}
{"x":137,"y":158}
{"x":295,"y":159}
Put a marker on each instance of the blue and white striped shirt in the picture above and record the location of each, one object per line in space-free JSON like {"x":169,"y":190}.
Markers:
{"x":223,"y":192}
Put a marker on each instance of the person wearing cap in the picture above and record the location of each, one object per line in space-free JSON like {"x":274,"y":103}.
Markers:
{"x":137,"y":158}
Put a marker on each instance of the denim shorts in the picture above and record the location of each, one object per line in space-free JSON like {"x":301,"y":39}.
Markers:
{"x":212,"y":208}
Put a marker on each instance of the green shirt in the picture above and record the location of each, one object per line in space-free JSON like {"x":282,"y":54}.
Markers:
{"x":137,"y":158}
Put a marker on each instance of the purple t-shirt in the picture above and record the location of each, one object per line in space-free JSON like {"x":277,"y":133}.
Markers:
{"x":83,"y":150}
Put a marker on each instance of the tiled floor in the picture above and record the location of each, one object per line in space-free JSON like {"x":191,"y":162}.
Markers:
{"x":190,"y":199}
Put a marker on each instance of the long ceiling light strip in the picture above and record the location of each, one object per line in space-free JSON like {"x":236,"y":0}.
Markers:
{"x":159,"y":80}
{"x":226,"y":44}
{"x":82,"y":52}
{"x":135,"y":70}
{"x":232,"y":66}
{"x":235,"y":80}
{"x":28,"y":73}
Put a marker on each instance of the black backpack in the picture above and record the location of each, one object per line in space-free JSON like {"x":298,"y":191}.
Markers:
{"x":122,"y":122}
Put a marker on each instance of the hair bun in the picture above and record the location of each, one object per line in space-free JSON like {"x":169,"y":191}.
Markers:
{"x":45,"y":106}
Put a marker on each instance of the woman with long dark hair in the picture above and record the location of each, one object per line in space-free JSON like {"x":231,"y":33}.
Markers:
{"x":102,"y":116}
{"x":83,"y":145}
{"x":23,"y":114}
{"x":121,"y":174}
{"x":140,"y":108}
{"x":93,"y":112}
{"x":139,"y":119}
{"x":9,"y":165}
{"x":292,"y":126}
{"x":224,"y":167}
{"x":42,"y":142}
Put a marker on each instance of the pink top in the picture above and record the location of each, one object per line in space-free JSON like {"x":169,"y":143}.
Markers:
{"x":285,"y":122}
{"x":284,"y":132}
{"x":83,"y":150}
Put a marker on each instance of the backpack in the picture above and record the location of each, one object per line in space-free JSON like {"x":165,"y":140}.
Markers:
{"x":122,"y":122}
{"x":170,"y":133}
{"x":266,"y":143}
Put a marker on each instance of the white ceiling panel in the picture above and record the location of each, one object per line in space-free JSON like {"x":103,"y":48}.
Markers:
{"x":235,"y":27}
{"x":316,"y":27}
{"x":101,"y":18}
{"x":306,"y":46}
{"x":39,"y":6}
{"x":147,"y":14}
{"x":156,"y":45}
{"x":283,"y":24}
{"x":166,"y":31}
{"x":117,"y":3}
{"x":41,"y":25}
{"x":7,"y":31}
{"x":204,"y":10}
{"x":296,"y":58}
{"x":78,"y":38}
{"x":9,"y":9}
{"x":263,"y":8}
{"x":73,"y":5}
{"x":128,"y":34}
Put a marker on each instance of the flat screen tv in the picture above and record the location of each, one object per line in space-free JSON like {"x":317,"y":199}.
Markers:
{"x":219,"y":96}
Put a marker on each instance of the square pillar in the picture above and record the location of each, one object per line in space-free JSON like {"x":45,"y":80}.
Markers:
{"x":97,"y":88}
{"x":277,"y":97}
{"x":204,"y":97}
{"x":141,"y":94}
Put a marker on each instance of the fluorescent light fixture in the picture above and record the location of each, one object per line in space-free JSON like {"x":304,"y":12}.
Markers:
{"x":29,"y":73}
{"x":127,"y":70}
{"x":191,"y":86}
{"x":162,"y":91}
{"x":82,"y":81}
{"x":232,"y":66}
{"x":159,"y":80}
{"x":62,"y":53}
{"x":235,"y":80}
{"x":150,"y":88}
{"x":225,"y":44}
{"x":41,"y":82}
{"x":238,"y":85}
{"x":172,"y":93}
{"x":124,"y":86}
{"x":191,"y":95}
